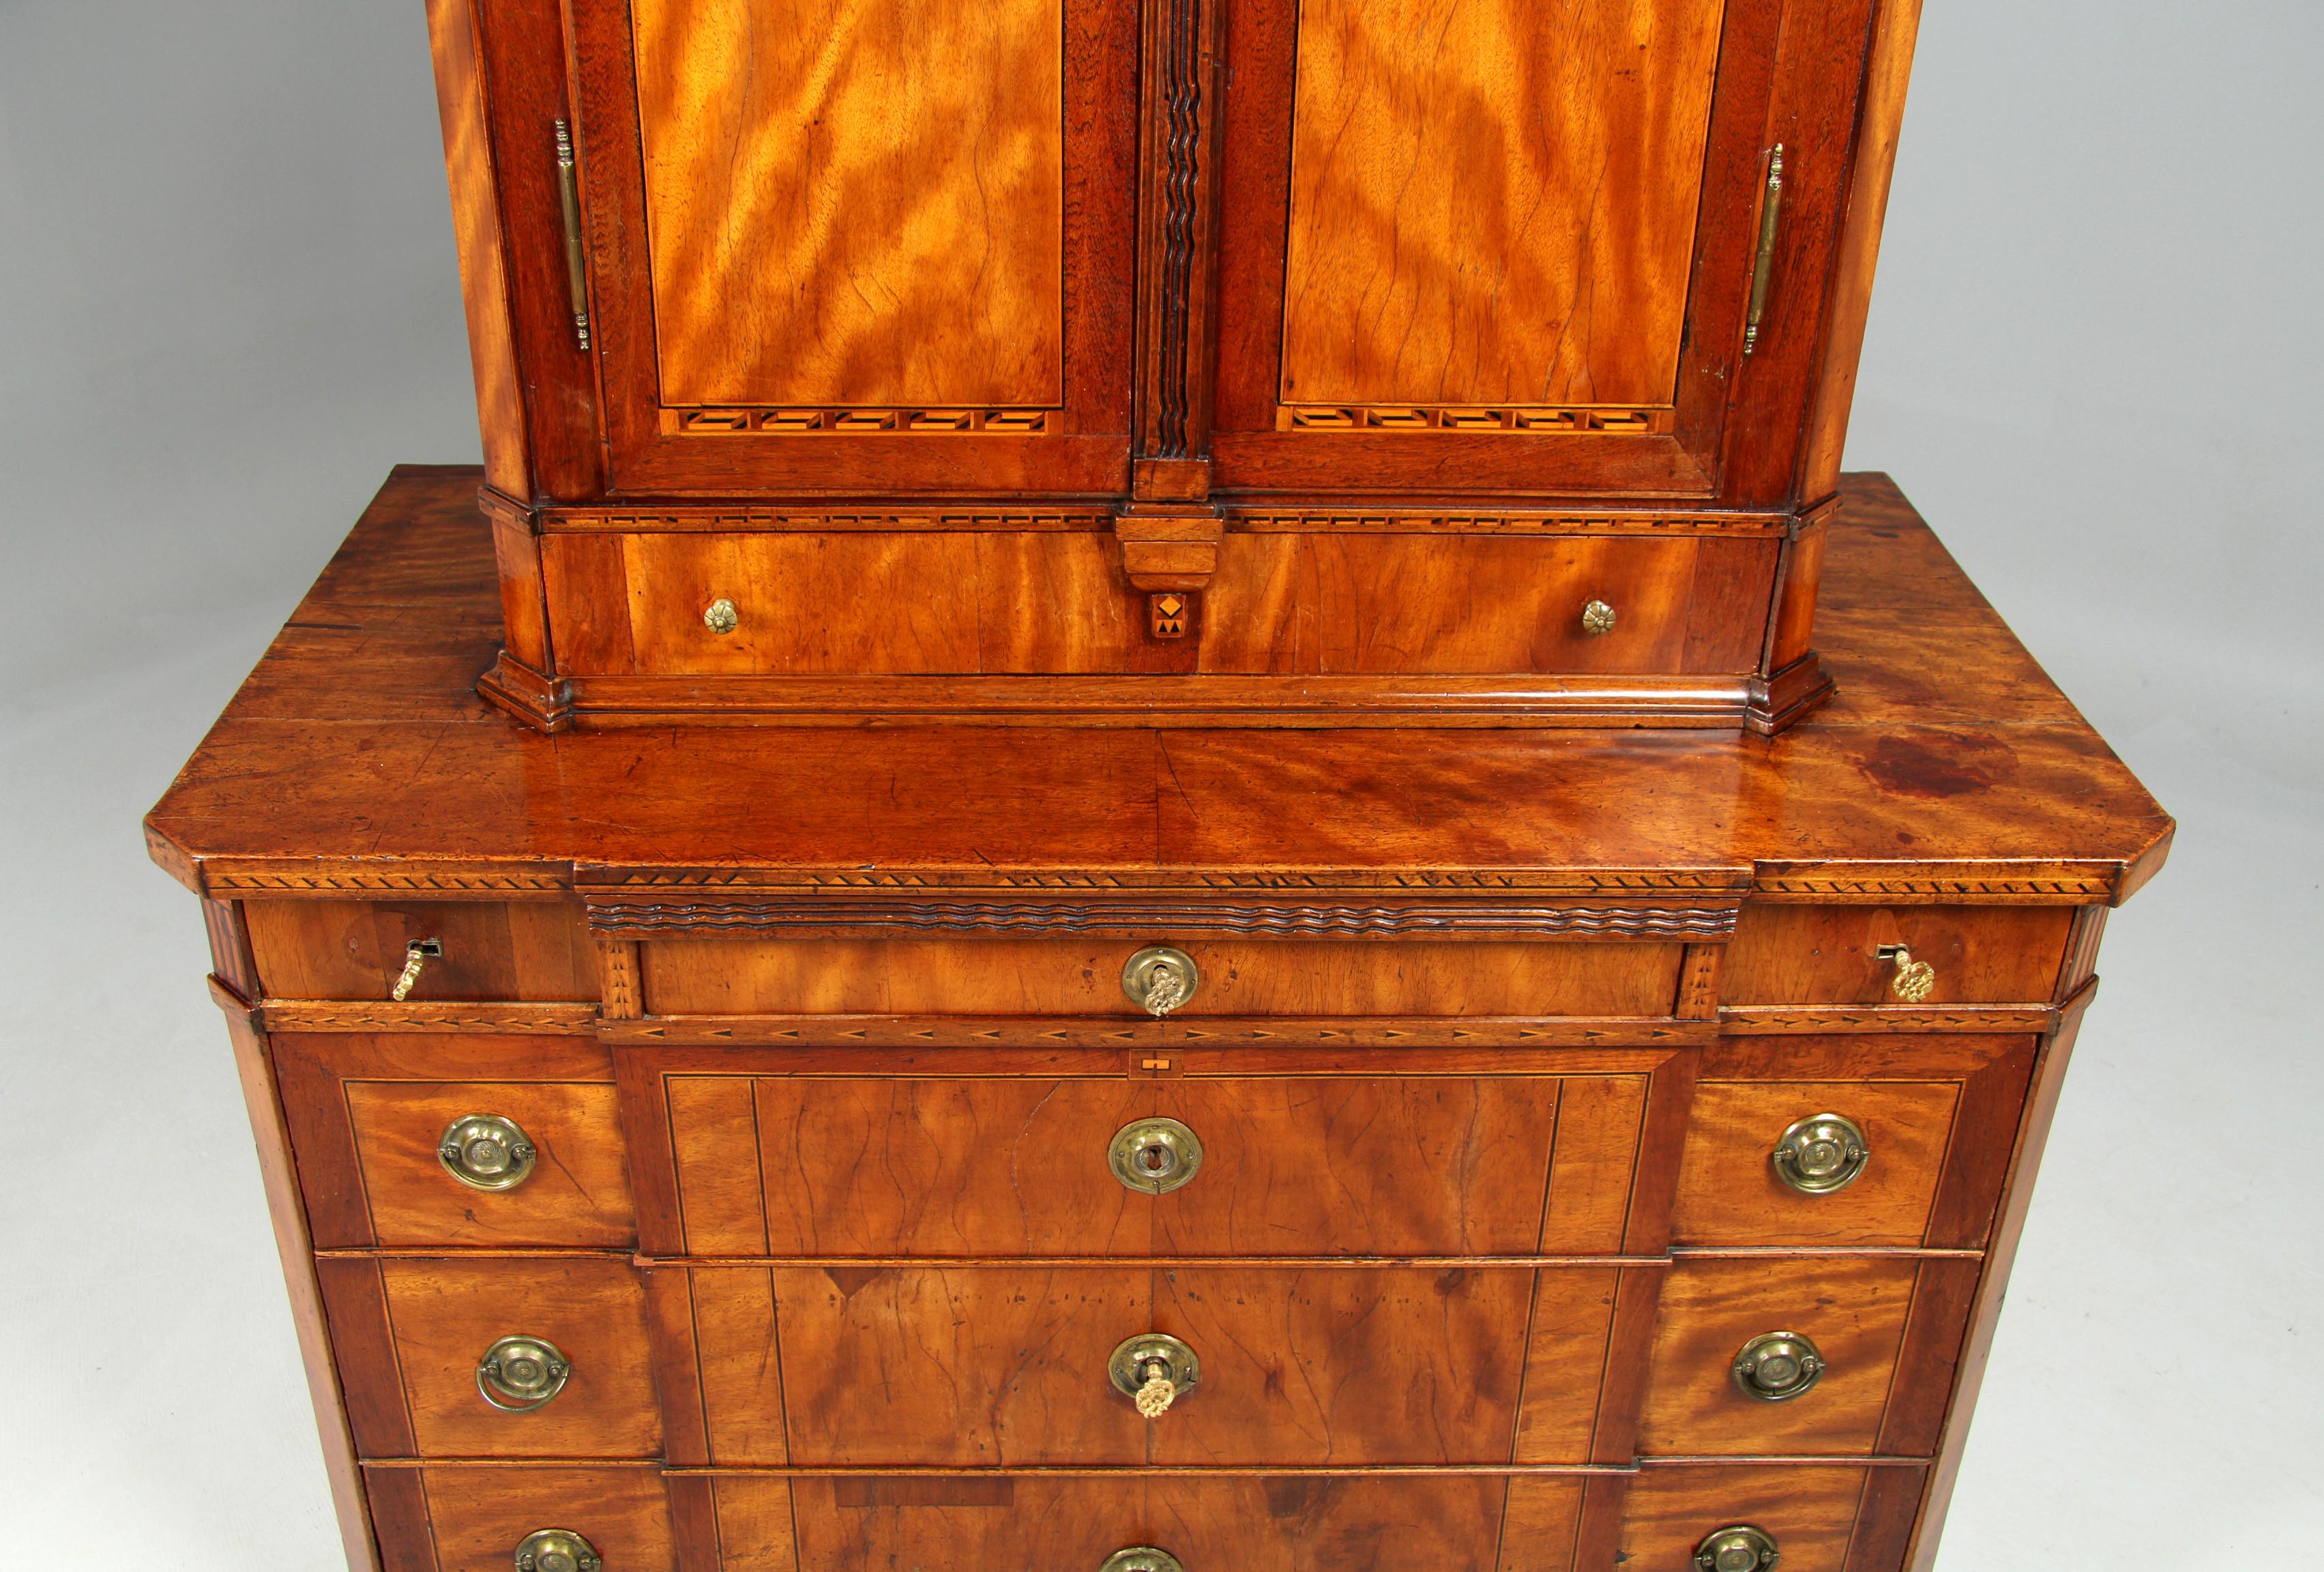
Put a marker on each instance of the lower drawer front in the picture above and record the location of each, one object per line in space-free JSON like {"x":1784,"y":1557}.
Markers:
{"x":996,"y":1367}
{"x":1820,"y":1518}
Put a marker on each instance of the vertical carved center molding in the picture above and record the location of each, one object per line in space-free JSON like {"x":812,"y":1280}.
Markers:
{"x":1169,"y":531}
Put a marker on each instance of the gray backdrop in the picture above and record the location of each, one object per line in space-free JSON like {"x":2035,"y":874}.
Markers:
{"x":228,"y":302}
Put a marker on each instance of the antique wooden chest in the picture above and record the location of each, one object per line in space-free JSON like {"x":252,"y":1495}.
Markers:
{"x":750,"y":1149}
{"x":1167,"y":362}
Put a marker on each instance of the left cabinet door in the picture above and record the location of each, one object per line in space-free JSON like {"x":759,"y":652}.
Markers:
{"x":857,"y":246}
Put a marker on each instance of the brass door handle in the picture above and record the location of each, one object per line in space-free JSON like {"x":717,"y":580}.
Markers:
{"x":1914,"y":980}
{"x":416,"y":955}
{"x":1739,"y":1549}
{"x":1822,"y":1153}
{"x":1159,"y":978}
{"x":556,"y":1551}
{"x":486,"y":1153}
{"x":1154,"y":1156}
{"x":1154,"y":1371}
{"x":519,"y":1374}
{"x":1777,"y":1366}
{"x":1141,"y":1559}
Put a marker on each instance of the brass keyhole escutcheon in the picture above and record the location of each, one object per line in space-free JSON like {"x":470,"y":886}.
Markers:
{"x":519,"y":1374}
{"x":1154,"y":1156}
{"x":1159,"y":978}
{"x":556,"y":1551}
{"x":1141,"y":1559}
{"x":486,"y":1153}
{"x":1777,"y":1366}
{"x":1739,"y":1549}
{"x":1821,"y":1154}
{"x":1154,"y":1371}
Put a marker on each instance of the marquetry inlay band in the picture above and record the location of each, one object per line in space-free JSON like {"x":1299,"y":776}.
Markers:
{"x":853,"y":423}
{"x":1520,"y":420}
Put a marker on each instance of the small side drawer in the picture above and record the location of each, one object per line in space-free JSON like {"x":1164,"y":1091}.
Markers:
{"x":1831,"y":954}
{"x":1883,"y":1334}
{"x":410,"y":1333}
{"x":370,"y":1116}
{"x":1046,"y":977}
{"x":1937,"y":1116}
{"x":532,"y":950}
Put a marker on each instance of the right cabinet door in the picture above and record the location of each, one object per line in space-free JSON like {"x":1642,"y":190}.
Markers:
{"x":1506,"y":244}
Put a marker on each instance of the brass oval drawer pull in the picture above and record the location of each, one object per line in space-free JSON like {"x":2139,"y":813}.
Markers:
{"x":1597,"y":619}
{"x":1777,"y":1366}
{"x":1154,"y":1371}
{"x":1141,"y":1559}
{"x":1914,"y":980}
{"x":487,"y":1153}
{"x":519,"y":1374}
{"x":416,"y":955}
{"x":1739,"y":1549}
{"x":556,"y":1551}
{"x":1154,"y":1156}
{"x":721,"y":617}
{"x":1159,"y":978}
{"x":1821,"y":1154}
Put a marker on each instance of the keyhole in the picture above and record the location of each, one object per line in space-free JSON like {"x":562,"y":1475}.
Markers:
{"x":1154,"y":1159}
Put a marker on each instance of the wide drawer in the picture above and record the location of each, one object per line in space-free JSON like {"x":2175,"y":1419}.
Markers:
{"x":805,"y":1153}
{"x":482,"y":949}
{"x":1784,"y":954}
{"x":412,"y":1333}
{"x":1791,"y":1355}
{"x":1082,"y":977}
{"x":980,"y":1366}
{"x":430,"y":1139}
{"x":1822,"y":1518}
{"x":1934,"y":1117}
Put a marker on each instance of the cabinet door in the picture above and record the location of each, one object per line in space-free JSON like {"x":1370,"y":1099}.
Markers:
{"x":1510,"y":243}
{"x":859,"y":244}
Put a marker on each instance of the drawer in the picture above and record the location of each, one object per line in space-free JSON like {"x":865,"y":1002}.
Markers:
{"x":1818,"y":1517}
{"x":973,"y":1366}
{"x":1829,"y":955}
{"x":1301,"y":1152}
{"x":535,"y":950}
{"x":371,"y":1115}
{"x":1077,"y":977}
{"x":1885,"y":1332}
{"x":1056,"y":601}
{"x":456,"y":1518}
{"x":1938,"y":1118}
{"x":411,"y":1333}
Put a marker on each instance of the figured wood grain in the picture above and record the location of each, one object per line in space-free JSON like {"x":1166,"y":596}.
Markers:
{"x":713,"y":1138}
{"x":1494,"y":203}
{"x":1728,"y":1191}
{"x":1826,"y":955}
{"x":854,"y":204}
{"x":1853,"y":1310}
{"x":1567,"y":1346}
{"x":446,"y":1313}
{"x":355,"y":949}
{"x":673,"y":1340}
{"x":1593,"y":1157}
{"x":738,"y":1374}
{"x":1539,"y":1524}
{"x":578,"y":1194}
{"x":1081,"y":977}
{"x":755,"y":1530}
{"x":1810,"y":1510}
{"x":479,"y":1513}
{"x":1349,"y":1368}
{"x":368,"y":1384}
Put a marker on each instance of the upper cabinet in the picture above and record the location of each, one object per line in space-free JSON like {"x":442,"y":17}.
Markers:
{"x":1569,"y":249}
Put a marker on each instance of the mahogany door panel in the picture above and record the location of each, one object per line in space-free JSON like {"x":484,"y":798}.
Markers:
{"x":1822,"y":1518}
{"x":1280,"y":1523}
{"x":1054,"y":977}
{"x":358,"y":949}
{"x":840,"y":247}
{"x":1784,"y":953}
{"x":412,"y":1331}
{"x":773,"y":1157}
{"x":1886,"y":1333}
{"x":1937,"y":1116}
{"x":370,"y":1115}
{"x":456,"y":1518}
